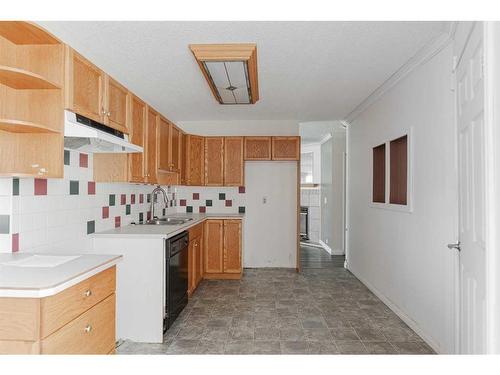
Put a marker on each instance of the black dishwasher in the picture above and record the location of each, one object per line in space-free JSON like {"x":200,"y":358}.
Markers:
{"x":176,"y":274}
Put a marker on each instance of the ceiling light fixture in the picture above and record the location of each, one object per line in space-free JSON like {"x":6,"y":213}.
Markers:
{"x":230,"y":70}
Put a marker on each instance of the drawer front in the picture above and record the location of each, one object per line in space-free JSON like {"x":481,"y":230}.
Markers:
{"x":195,"y":231}
{"x":59,"y":309}
{"x":91,"y":333}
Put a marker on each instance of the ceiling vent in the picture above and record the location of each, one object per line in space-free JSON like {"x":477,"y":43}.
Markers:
{"x":230,"y":70}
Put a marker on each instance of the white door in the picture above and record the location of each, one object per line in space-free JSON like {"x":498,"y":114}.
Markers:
{"x":471,"y":161}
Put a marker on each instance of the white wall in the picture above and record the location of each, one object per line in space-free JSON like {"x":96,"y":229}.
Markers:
{"x":241,"y":127}
{"x":403,"y":256}
{"x":270,"y":228}
{"x":332,"y":193}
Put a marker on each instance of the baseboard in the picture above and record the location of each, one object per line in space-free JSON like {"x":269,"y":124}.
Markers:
{"x":404,"y":317}
{"x":326,"y":247}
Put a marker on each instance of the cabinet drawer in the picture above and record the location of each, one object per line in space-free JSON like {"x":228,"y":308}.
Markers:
{"x":195,"y":232}
{"x":59,"y":309}
{"x":91,"y":333}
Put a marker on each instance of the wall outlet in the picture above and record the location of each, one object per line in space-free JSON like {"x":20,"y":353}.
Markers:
{"x":264,"y":200}
{"x":326,"y":241}
{"x":325,"y":200}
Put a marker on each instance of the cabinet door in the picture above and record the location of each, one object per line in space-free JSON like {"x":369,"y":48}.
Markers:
{"x":286,"y":148}
{"x":214,"y":153}
{"x":195,"y":168}
{"x":192,"y":264}
{"x":257,"y":148}
{"x":85,"y":87}
{"x":163,"y":145}
{"x":232,"y":246}
{"x":213,"y":246}
{"x":151,"y":155}
{"x":175,"y":155}
{"x":233,"y":161}
{"x":116,"y":105}
{"x":183,"y":171}
{"x":199,"y":261}
{"x":138,"y":129}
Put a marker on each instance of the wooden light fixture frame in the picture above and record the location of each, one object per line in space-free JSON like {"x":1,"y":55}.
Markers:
{"x":245,"y":52}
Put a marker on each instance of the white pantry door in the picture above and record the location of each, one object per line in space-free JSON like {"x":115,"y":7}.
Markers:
{"x":471,"y":170}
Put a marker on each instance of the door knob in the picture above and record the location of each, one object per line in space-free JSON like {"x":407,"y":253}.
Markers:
{"x":455,"y":246}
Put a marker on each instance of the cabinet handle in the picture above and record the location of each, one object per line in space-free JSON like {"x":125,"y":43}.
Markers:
{"x":103,"y":111}
{"x":88,"y":293}
{"x":88,"y":328}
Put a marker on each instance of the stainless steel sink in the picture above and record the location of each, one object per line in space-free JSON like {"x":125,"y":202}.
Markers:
{"x":167,"y":221}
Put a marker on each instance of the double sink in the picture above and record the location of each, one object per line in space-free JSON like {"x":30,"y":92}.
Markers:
{"x":166,"y":221}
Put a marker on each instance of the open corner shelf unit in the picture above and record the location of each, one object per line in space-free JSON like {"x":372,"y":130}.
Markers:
{"x":31,"y":100}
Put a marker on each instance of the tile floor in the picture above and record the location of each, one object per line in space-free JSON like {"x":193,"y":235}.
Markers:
{"x":323,"y":310}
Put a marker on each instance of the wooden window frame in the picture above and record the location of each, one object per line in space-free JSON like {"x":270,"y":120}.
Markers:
{"x":408,"y":208}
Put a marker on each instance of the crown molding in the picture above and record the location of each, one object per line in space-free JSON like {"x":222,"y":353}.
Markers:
{"x":423,"y":55}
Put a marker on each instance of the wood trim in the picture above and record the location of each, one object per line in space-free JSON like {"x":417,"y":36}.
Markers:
{"x":222,"y":276}
{"x":19,"y":347}
{"x":22,"y":32}
{"x":298,"y":215}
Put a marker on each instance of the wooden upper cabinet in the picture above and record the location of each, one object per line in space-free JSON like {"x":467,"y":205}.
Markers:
{"x":138,"y":137}
{"x":214,"y":154}
{"x":233,"y":161}
{"x":195,"y":160}
{"x":163,"y":145}
{"x":214,"y":246}
{"x":286,"y":148}
{"x":183,"y":171}
{"x":175,"y":147}
{"x":232,"y":246}
{"x":151,"y":149}
{"x":84,"y":87}
{"x":257,"y":148}
{"x":116,"y":105}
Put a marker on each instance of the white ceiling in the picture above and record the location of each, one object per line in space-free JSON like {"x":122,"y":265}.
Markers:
{"x":308,"y":71}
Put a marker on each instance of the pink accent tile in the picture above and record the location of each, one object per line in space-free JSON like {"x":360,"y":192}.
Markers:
{"x":123,"y":199}
{"x":196,"y":196}
{"x":141,"y":198}
{"x":241,"y":189}
{"x":202,"y":209}
{"x":105,"y":212}
{"x":40,"y":186}
{"x":15,"y":242}
{"x":132,"y":199}
{"x":182,"y":202}
{"x":84,"y":160}
{"x":91,"y":188}
{"x":118,"y":221}
{"x":229,"y":203}
{"x":148,"y":215}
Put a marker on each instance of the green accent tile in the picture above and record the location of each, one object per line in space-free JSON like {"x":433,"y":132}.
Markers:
{"x":112,"y":199}
{"x":66,"y":157}
{"x":90,"y":227}
{"x":141,"y":216}
{"x":189,"y":208}
{"x":15,"y":186}
{"x":208,"y":203}
{"x":222,"y":196}
{"x":241,"y":209}
{"x":74,"y":187}
{"x":127,"y":209}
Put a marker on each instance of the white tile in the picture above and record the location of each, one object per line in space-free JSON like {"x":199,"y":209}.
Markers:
{"x":5,"y":243}
{"x":26,"y":186}
{"x":5,"y":186}
{"x":5,"y":205}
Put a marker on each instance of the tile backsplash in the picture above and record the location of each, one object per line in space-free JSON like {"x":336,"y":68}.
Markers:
{"x":58,"y":215}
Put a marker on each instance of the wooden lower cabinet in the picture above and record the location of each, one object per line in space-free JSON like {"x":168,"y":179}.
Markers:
{"x":195,"y":258}
{"x":222,"y":249}
{"x":78,"y":320}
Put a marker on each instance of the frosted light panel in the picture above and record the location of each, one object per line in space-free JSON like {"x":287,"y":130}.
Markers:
{"x":230,"y":74}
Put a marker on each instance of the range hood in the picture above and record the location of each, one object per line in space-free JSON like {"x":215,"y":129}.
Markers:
{"x":84,"y":134}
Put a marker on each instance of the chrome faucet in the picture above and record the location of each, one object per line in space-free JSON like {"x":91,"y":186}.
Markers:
{"x":156,"y":190}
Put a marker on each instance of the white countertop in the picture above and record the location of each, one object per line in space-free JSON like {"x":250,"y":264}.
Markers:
{"x":163,"y":231}
{"x":25,"y":275}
